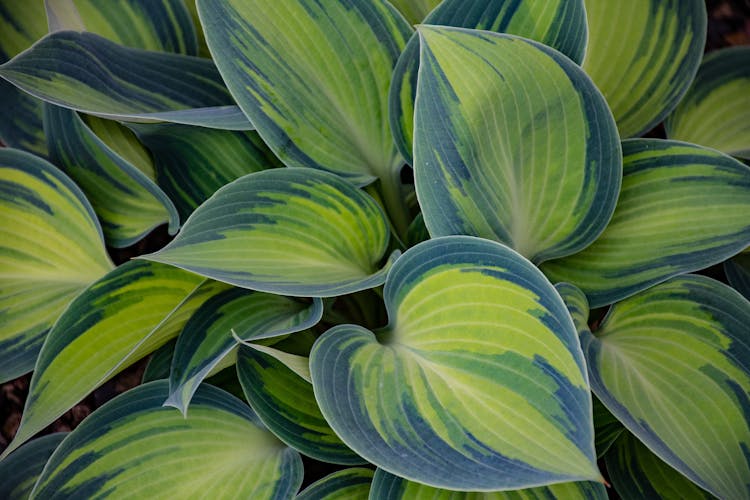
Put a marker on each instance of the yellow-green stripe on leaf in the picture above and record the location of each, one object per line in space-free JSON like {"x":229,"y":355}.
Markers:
{"x":672,"y":363}
{"x":682,"y":208}
{"x":291,"y":231}
{"x":208,"y":336}
{"x":642,"y":55}
{"x":560,"y":24}
{"x":512,"y":143}
{"x":415,"y":10}
{"x":389,"y":487}
{"x":85,"y":72}
{"x":713,"y":113}
{"x":128,"y":203}
{"x":116,"y":321}
{"x":286,"y":404}
{"x":132,"y":447}
{"x":313,"y":77}
{"x":477,"y":384}
{"x":22,"y":468}
{"x":635,"y":472}
{"x":51,"y":248}
{"x":347,"y":484}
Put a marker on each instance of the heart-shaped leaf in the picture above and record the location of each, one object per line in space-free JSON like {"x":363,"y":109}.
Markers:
{"x":134,"y":447}
{"x":477,"y":384}
{"x":642,"y":55}
{"x":714,"y":110}
{"x":347,"y":484}
{"x":673,"y":365}
{"x":22,"y":468}
{"x":560,"y":24}
{"x":51,"y":248}
{"x":682,"y":208}
{"x":292,"y":231}
{"x":512,"y":143}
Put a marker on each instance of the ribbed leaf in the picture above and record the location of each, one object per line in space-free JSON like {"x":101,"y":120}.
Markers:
{"x":673,"y":365}
{"x":347,"y":484}
{"x":21,"y":469}
{"x":738,"y":273}
{"x":116,"y":321}
{"x":208,"y":335}
{"x":635,"y":472}
{"x":682,"y":208}
{"x":389,"y":487}
{"x":193,"y":162}
{"x":415,"y":10}
{"x":606,"y":426}
{"x":291,"y":231}
{"x":51,"y":248}
{"x":642,"y":55}
{"x":128,"y":203}
{"x":159,"y":363}
{"x":477,"y":384}
{"x":285,"y":402}
{"x":122,"y":141}
{"x":202,"y":46}
{"x":132,"y":447}
{"x":86,"y":72}
{"x":713,"y":113}
{"x":312,"y":77}
{"x":512,"y":143}
{"x":560,"y":24}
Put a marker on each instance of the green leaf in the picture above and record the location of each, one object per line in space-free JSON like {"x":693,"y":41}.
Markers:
{"x":290,"y":231}
{"x":193,"y":162}
{"x":85,"y":72}
{"x":737,"y":270}
{"x":635,"y":472}
{"x":159,"y":363}
{"x":673,"y":365}
{"x":134,"y":447}
{"x":682,"y":208}
{"x":22,"y":468}
{"x":208,"y":335}
{"x":389,"y":487}
{"x":128,"y":203}
{"x":124,"y":316}
{"x":560,"y":24}
{"x":286,"y":404}
{"x":51,"y":248}
{"x":642,"y":55}
{"x":477,"y":335}
{"x":313,"y":77}
{"x":512,"y":143}
{"x":714,"y":110}
{"x":606,"y":426}
{"x":347,"y":484}
{"x":415,"y":10}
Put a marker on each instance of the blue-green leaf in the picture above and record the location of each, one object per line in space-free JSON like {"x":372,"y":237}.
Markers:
{"x":737,"y":270}
{"x":347,"y":484}
{"x":22,"y":468}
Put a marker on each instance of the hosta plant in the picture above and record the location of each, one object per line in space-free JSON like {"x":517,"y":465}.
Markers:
{"x":422,"y":244}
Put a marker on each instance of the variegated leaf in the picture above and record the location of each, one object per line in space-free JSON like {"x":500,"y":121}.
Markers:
{"x":415,"y":10}
{"x":51,"y":248}
{"x":20,"y":471}
{"x":673,"y":365}
{"x":560,"y":24}
{"x":132,"y":447}
{"x":713,"y":113}
{"x":642,"y":55}
{"x":347,"y":484}
{"x":477,"y":384}
{"x":682,"y":208}
{"x":291,"y":231}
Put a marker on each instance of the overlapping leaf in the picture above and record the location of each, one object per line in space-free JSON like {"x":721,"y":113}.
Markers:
{"x":291,"y":231}
{"x":347,"y":484}
{"x":560,"y":24}
{"x":737,"y":270}
{"x":478,"y":383}
{"x":512,"y":143}
{"x":415,"y":10}
{"x":193,"y":162}
{"x":285,"y":402}
{"x":713,"y":113}
{"x":124,"y":316}
{"x":389,"y":487}
{"x":208,"y":335}
{"x":642,"y":55}
{"x":51,"y":248}
{"x":147,"y":450}
{"x":673,"y":365}
{"x":21,"y":470}
{"x":682,"y":208}
{"x":128,"y":203}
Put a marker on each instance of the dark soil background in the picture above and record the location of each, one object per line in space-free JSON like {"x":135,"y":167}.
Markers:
{"x":728,"y":24}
